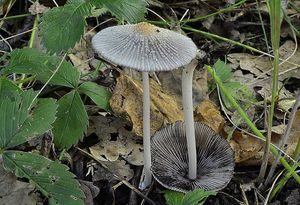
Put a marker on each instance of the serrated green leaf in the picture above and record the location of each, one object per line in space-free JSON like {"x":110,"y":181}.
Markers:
{"x":173,"y":197}
{"x":71,"y":122}
{"x":50,"y":177}
{"x":238,"y":91}
{"x":223,"y":71}
{"x":33,"y":61}
{"x":97,"y":93}
{"x":197,"y":196}
{"x":8,"y":89}
{"x":21,"y":119}
{"x":62,"y":27}
{"x":132,"y":11}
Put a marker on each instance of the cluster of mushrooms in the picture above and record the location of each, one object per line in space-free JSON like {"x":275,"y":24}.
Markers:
{"x":185,"y":155}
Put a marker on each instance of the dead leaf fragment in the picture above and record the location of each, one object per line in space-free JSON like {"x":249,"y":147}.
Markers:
{"x":119,"y":168}
{"x":244,"y":146}
{"x":209,"y":114}
{"x":127,"y":101}
{"x":13,"y":191}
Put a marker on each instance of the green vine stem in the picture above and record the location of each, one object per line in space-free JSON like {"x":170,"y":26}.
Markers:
{"x":31,"y":42}
{"x":250,"y":123}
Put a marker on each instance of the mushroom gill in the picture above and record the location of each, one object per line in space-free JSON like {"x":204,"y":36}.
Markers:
{"x":215,"y":159}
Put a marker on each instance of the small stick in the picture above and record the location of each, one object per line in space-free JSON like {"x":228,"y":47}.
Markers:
{"x":126,"y":183}
{"x":284,"y":138}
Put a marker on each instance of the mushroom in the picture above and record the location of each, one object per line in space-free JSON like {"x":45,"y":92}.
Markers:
{"x":146,"y":48}
{"x":215,"y":159}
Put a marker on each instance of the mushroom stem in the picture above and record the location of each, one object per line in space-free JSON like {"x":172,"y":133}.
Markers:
{"x":146,"y":180}
{"x":188,"y":111}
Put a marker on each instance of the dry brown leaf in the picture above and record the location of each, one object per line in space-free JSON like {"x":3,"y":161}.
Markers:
{"x":209,"y":114}
{"x":115,"y":140}
{"x":249,"y":150}
{"x":244,"y":146}
{"x":127,"y":101}
{"x":171,"y":84}
{"x":129,"y":149}
{"x":90,"y":191}
{"x":257,"y":65}
{"x":13,"y":191}
{"x":119,"y":168}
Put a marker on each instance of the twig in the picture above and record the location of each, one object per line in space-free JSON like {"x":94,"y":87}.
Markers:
{"x":118,"y":177}
{"x":284,"y":138}
{"x":272,"y":187}
{"x":265,"y":157}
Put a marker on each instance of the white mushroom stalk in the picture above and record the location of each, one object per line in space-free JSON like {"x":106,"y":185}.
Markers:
{"x":188,"y":111}
{"x":146,"y":181}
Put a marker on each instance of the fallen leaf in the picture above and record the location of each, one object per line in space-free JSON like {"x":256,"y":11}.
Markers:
{"x":13,"y":191}
{"x":244,"y":146}
{"x":208,"y":113}
{"x":119,"y":168}
{"x":115,"y":140}
{"x":90,"y":191}
{"x":127,"y":101}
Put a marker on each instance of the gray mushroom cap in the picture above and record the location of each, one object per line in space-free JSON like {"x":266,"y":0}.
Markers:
{"x":144,"y":47}
{"x":215,"y":159}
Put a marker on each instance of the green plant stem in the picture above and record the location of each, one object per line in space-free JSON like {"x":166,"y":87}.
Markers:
{"x":220,"y":11}
{"x":262,"y":25}
{"x":275,"y":19}
{"x":31,"y":42}
{"x":297,"y":150}
{"x":214,"y":36}
{"x":201,"y":18}
{"x":14,"y":17}
{"x":249,"y":122}
{"x":34,"y":31}
{"x":282,"y":182}
{"x":61,"y":155}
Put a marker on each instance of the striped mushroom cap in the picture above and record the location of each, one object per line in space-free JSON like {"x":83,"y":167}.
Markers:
{"x":215,"y":159}
{"x":144,"y":47}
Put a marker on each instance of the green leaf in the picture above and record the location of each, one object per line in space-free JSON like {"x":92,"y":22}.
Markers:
{"x":198,"y":196}
{"x":195,"y":197}
{"x":21,"y":119}
{"x":97,"y":93}
{"x":71,"y":122}
{"x":173,"y":197}
{"x":238,"y":91}
{"x":33,"y":61}
{"x":132,"y":11}
{"x":223,"y":71}
{"x":51,"y":178}
{"x":62,"y":27}
{"x":8,"y":89}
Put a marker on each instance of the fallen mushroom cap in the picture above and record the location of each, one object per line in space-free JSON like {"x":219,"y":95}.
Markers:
{"x":144,"y":47}
{"x":215,"y":159}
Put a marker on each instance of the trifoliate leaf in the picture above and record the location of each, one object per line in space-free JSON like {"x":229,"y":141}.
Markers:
{"x":21,"y":118}
{"x":8,"y":89}
{"x":132,"y":11}
{"x":33,"y":61}
{"x":97,"y":93}
{"x":62,"y":27}
{"x":51,"y":178}
{"x":71,"y":122}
